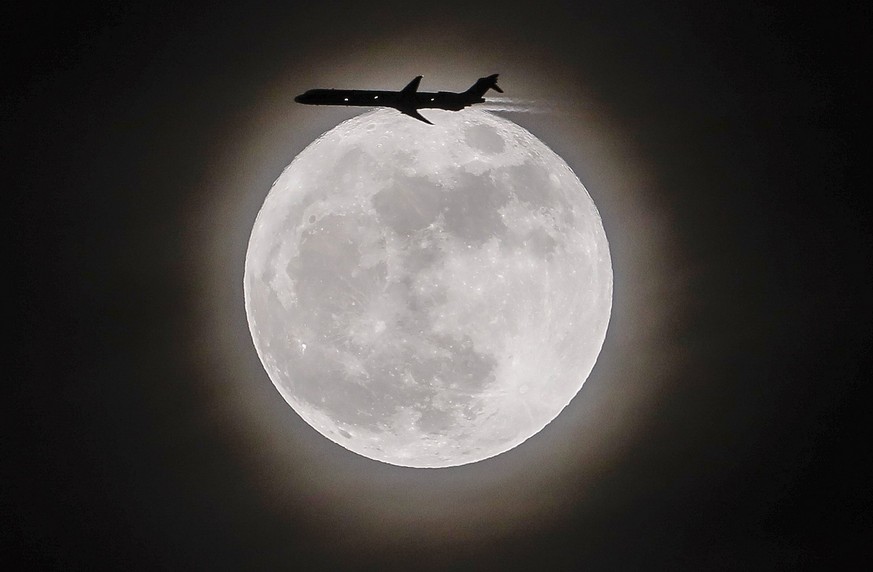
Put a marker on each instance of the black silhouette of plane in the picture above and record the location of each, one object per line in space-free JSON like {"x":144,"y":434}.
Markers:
{"x":408,"y":100}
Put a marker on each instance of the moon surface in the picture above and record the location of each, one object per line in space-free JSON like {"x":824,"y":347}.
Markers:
{"x":428,"y":296}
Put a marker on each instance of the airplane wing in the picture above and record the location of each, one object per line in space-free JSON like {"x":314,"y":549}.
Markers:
{"x":412,"y":86}
{"x":414,"y":113}
{"x":408,"y":95}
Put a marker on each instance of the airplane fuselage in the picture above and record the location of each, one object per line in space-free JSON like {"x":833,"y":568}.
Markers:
{"x":370,"y":98}
{"x":409,"y":100}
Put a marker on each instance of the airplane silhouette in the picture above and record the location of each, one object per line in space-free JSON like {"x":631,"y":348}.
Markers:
{"x":408,"y":100}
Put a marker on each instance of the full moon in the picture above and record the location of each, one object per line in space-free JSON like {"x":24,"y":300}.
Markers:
{"x":428,"y":295}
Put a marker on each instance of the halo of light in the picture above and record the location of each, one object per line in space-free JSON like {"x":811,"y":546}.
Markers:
{"x":299,"y":473}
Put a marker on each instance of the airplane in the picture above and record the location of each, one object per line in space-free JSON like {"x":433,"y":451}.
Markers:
{"x":408,"y":101}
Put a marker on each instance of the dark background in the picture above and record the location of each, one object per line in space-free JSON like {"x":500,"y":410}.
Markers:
{"x":116,"y":451}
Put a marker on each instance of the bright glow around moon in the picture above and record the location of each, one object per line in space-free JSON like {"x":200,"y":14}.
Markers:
{"x":428,"y":296}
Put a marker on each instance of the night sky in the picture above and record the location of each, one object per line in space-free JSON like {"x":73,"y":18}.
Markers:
{"x":722,"y":428}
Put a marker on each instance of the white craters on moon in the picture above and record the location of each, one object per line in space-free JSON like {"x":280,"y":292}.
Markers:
{"x":428,"y":296}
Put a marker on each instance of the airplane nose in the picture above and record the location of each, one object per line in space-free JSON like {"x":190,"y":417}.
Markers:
{"x":299,"y":98}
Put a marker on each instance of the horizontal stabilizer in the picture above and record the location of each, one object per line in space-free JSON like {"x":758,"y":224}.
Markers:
{"x":481,"y":86}
{"x":494,"y":85}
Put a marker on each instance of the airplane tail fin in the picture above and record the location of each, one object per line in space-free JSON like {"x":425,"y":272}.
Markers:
{"x":483,"y":84}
